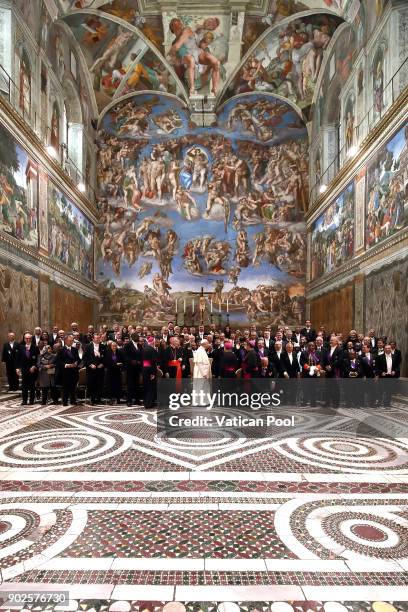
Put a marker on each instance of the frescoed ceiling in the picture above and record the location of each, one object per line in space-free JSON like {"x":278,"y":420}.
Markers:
{"x":203,"y":52}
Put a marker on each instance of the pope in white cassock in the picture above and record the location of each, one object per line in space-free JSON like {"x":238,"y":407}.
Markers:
{"x":202,"y":371}
{"x":202,"y":365}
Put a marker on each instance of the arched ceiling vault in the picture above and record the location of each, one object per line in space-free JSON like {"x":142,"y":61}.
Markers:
{"x":128,"y":46}
{"x":119,"y":57}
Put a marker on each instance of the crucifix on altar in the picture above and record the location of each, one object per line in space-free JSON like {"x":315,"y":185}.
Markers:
{"x":191,"y":315}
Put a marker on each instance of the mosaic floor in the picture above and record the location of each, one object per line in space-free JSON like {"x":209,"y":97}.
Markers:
{"x":94,"y":504}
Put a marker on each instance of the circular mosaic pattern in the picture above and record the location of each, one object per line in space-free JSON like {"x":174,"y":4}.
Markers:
{"x":122,"y":416}
{"x":59,"y":448}
{"x":346,"y":454}
{"x":391,"y":542}
{"x":16,"y":525}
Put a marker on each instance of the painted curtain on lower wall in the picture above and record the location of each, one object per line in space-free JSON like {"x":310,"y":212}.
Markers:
{"x":70,"y":234}
{"x":18,"y":300}
{"x":185,"y":207}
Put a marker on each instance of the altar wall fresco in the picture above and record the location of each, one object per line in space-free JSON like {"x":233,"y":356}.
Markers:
{"x":185,"y":207}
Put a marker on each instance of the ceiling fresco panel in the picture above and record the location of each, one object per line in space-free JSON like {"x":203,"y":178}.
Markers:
{"x":287,"y":60}
{"x":118,"y":59}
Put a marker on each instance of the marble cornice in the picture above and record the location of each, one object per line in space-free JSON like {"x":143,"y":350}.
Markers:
{"x":350,"y":169}
{"x":29,"y":257}
{"x":379,"y":256}
{"x":27,"y":136}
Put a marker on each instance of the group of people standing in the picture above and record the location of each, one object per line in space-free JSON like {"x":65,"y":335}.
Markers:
{"x":127,"y":360}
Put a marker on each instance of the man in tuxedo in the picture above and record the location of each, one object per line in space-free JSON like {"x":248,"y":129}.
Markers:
{"x":87,"y":338}
{"x":133,"y":360}
{"x":396,"y":352}
{"x":27,"y":357}
{"x":373,"y":340}
{"x":268,"y":342}
{"x":309,"y":332}
{"x":276,"y":360}
{"x":201,"y":335}
{"x":320,"y":350}
{"x":94,"y":361}
{"x":54,"y":335}
{"x":67,"y":370}
{"x":367,"y":362}
{"x":352,"y":369}
{"x":387,"y":368}
{"x":9,"y":358}
{"x":296,"y":336}
{"x":36,"y":339}
{"x":290,"y":370}
{"x":290,"y":363}
{"x":387,"y":364}
{"x":369,"y":371}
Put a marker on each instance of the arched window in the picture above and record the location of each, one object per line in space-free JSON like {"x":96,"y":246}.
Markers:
{"x":73,"y":131}
{"x":55,"y":137}
{"x":25,"y":84}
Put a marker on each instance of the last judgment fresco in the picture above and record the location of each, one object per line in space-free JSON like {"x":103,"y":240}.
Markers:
{"x":184,"y":207}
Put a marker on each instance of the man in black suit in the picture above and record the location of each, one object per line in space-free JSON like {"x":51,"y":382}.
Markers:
{"x":309,"y":332}
{"x":367,"y":362}
{"x":94,"y":361}
{"x":53,"y":335}
{"x":133,"y":360}
{"x":396,"y":352}
{"x":290,"y":370}
{"x":9,"y":357}
{"x":332,"y":365}
{"x":320,"y":350}
{"x":36,"y":338}
{"x":290,"y":363}
{"x":296,"y":335}
{"x":388,"y":367}
{"x":276,"y":360}
{"x":88,"y":337}
{"x":373,"y":340}
{"x":27,"y":357}
{"x":268,"y":340}
{"x":368,"y":367}
{"x":66,"y":367}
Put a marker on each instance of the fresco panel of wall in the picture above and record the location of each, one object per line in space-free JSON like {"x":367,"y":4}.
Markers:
{"x":387,"y":189}
{"x":18,"y":191}
{"x":70,"y":234}
{"x":386,"y":208}
{"x":185,"y":207}
{"x":333,"y":235}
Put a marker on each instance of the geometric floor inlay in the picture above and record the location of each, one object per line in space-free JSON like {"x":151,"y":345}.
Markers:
{"x":94,"y":503}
